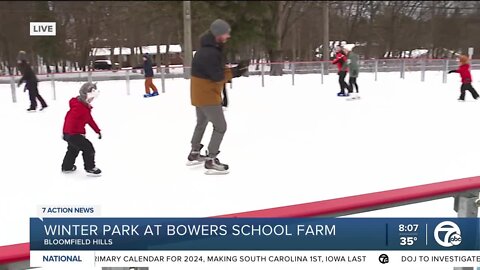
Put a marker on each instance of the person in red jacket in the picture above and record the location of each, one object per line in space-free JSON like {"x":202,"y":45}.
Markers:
{"x":466,"y":76}
{"x":341,"y":62}
{"x":74,"y":130}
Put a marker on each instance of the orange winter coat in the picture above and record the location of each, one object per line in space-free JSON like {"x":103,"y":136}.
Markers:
{"x":208,"y":73}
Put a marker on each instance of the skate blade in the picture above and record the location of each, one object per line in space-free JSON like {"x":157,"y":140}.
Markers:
{"x":93,"y":175}
{"x":215,"y":172}
{"x":195,"y":162}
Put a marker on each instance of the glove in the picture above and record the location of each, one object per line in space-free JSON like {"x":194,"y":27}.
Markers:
{"x":452,"y":71}
{"x":241,"y":68}
{"x":99,"y":136}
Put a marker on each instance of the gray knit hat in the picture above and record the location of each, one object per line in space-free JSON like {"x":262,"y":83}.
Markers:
{"x":85,"y":89}
{"x":21,"y":56}
{"x":219,"y":27}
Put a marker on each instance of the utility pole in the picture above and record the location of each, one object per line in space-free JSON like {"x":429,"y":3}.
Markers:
{"x":326,"y":39}
{"x":187,"y":39}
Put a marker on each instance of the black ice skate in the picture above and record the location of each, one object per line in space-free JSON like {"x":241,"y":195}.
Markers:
{"x":74,"y":168}
{"x":213,"y":166}
{"x":94,"y":172}
{"x":195,"y":158}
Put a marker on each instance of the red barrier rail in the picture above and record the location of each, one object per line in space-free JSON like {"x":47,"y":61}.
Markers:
{"x":333,"y":207}
{"x":367,"y":202}
{"x":14,"y":253}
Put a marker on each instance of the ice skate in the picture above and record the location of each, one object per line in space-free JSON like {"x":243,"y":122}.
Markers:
{"x":353,"y":96}
{"x":214,"y":167}
{"x":94,"y":172}
{"x":195,"y":158}
{"x":74,"y":168}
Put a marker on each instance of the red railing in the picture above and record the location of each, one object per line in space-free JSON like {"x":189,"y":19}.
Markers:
{"x":326,"y":208}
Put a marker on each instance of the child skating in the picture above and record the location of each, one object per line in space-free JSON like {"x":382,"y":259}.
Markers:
{"x":464,"y":70}
{"x":74,"y":131}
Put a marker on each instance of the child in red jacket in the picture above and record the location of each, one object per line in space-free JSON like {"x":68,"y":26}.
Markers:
{"x":74,"y":131}
{"x":466,"y":76}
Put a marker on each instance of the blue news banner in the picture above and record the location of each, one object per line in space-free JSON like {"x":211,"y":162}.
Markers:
{"x":254,"y":234}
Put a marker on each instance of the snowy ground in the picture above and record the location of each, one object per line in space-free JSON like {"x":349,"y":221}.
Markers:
{"x":285,"y":145}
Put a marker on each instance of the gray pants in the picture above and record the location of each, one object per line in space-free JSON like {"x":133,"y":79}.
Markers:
{"x":215,"y":115}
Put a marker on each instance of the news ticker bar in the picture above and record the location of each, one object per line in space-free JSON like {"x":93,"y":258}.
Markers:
{"x":107,"y":234}
{"x":256,"y":259}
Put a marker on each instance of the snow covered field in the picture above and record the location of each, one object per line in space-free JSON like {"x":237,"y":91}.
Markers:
{"x":285,"y":145}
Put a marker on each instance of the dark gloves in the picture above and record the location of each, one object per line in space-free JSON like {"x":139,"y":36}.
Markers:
{"x":452,"y":71}
{"x":99,"y":136}
{"x":241,"y":68}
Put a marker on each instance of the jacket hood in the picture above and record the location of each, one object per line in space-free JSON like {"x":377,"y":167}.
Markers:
{"x":208,"y":40}
{"x":76,"y":103}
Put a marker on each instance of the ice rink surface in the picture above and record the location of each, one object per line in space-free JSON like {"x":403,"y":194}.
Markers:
{"x":285,"y":145}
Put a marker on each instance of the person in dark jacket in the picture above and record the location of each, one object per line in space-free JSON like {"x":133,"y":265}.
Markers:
{"x":208,"y":76}
{"x":76,"y":118}
{"x":341,"y":62}
{"x":148,"y":71}
{"x":464,"y":71}
{"x":31,"y":82}
{"x":353,"y":70}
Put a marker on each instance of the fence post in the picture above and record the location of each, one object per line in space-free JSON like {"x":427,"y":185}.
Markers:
{"x":376,"y":69}
{"x":466,"y":204}
{"x":423,"y":69}
{"x":162,"y":75}
{"x":445,"y":70}
{"x":127,"y":79}
{"x":293,"y":73}
{"x":323,"y":70}
{"x":14,"y":90}
{"x":53,"y":87}
{"x":402,"y":71}
{"x":263,"y":73}
{"x":89,"y":76}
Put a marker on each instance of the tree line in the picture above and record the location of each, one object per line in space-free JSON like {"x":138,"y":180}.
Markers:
{"x":272,"y":30}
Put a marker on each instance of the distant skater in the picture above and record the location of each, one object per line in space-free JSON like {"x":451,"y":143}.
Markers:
{"x":353,"y":70}
{"x":28,"y":76}
{"x":341,"y":62}
{"x":148,"y":71}
{"x":464,"y":70}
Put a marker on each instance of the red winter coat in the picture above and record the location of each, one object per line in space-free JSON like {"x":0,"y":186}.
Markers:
{"x":464,"y":71}
{"x":77,"y":117}
{"x":341,"y":61}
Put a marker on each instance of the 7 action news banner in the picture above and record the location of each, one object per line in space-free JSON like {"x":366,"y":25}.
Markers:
{"x":230,"y":243}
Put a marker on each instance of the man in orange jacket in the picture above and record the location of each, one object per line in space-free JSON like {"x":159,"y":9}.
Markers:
{"x":209,"y":75}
